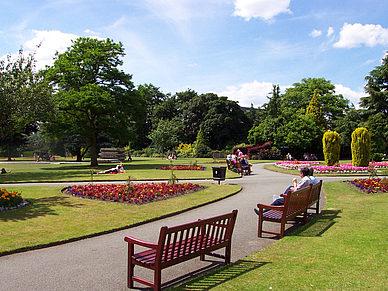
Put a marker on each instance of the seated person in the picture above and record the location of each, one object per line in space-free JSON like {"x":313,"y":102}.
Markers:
{"x":303,"y":183}
{"x":311,"y":176}
{"x":245,"y":165}
{"x":115,"y":170}
{"x":4,"y":171}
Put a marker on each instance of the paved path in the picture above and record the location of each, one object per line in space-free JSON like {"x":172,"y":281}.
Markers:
{"x":100,"y":263}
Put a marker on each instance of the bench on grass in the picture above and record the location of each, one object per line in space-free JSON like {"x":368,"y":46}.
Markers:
{"x":181,"y":243}
{"x":315,"y":196}
{"x":295,"y":204}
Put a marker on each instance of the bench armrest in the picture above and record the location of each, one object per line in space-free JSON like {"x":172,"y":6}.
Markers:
{"x":272,"y":207}
{"x":132,"y":240}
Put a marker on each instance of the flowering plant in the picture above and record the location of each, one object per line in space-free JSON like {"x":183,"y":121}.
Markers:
{"x":190,"y":168}
{"x":10,"y":199}
{"x":137,"y":193}
{"x":370,"y":185}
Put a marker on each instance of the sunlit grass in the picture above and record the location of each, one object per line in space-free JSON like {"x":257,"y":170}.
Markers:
{"x":344,"y":248}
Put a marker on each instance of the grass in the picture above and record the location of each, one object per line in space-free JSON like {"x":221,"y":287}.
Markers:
{"x":55,"y":217}
{"x":344,"y":248}
{"x":138,"y":169}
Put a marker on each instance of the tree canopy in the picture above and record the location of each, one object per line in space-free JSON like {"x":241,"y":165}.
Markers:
{"x":92,"y":95}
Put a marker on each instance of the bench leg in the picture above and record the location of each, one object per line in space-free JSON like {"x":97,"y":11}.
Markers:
{"x":130,"y":266}
{"x":157,"y":280}
{"x":282,"y":227}
{"x":260,"y":228}
{"x":227,"y":254}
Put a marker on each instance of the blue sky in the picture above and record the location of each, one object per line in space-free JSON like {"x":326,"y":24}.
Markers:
{"x":235,"y":48}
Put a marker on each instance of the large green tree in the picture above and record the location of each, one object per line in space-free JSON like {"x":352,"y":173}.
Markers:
{"x":376,"y":105}
{"x":298,"y":97}
{"x":92,"y":95}
{"x":24,"y":97}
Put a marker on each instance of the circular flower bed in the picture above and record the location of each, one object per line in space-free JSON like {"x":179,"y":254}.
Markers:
{"x":184,"y":168}
{"x":134,"y":193}
{"x":11,"y":200}
{"x":370,"y":185}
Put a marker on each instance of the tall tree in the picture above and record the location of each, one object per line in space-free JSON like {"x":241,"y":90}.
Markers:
{"x":24,"y":97}
{"x":314,"y":110}
{"x":93,"y":96}
{"x":298,"y":97}
{"x":377,"y":88}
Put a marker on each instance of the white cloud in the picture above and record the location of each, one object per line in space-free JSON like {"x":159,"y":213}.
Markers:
{"x":249,"y":93}
{"x":355,"y":35}
{"x":51,"y":42}
{"x":315,"y":33}
{"x":265,"y":9}
{"x":348,"y":93}
{"x":330,"y":31}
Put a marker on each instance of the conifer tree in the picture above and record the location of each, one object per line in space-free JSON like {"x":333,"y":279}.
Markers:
{"x":331,"y":147}
{"x":360,"y":147}
{"x":315,"y":111}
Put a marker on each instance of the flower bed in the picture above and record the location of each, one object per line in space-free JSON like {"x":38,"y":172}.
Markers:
{"x":370,"y":185}
{"x":135,"y":193}
{"x":11,"y":200}
{"x":338,"y":169}
{"x":184,"y":168}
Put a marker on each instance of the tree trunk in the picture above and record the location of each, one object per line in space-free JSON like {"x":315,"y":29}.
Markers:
{"x":9,"y":152}
{"x":79,"y":155}
{"x":93,"y":151}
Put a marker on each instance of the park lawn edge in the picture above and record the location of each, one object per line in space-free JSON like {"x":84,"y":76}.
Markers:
{"x":96,"y":234}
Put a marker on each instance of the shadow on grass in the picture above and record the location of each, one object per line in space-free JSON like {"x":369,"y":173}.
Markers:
{"x":212,"y":275}
{"x":318,"y":226}
{"x":39,"y":207}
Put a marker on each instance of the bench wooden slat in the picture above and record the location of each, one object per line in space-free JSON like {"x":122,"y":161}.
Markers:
{"x":181,"y":243}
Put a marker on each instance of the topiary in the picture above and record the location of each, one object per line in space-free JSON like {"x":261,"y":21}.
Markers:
{"x":331,"y":147}
{"x":360,"y":147}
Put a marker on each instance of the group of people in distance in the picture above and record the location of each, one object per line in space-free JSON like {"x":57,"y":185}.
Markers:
{"x":172,"y":156}
{"x":239,"y":157}
{"x":307,"y":178}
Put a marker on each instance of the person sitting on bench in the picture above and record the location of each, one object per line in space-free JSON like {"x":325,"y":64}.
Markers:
{"x":303,"y":183}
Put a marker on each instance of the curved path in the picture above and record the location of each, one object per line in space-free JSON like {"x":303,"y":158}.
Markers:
{"x":100,"y":263}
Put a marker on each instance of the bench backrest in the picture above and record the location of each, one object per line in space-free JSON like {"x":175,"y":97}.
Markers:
{"x":180,"y":243}
{"x":296,"y":201}
{"x":315,"y":193}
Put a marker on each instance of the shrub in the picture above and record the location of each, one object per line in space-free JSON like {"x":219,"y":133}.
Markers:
{"x":377,"y":157}
{"x":360,"y":147}
{"x":186,"y":150}
{"x":203,"y":151}
{"x":331,"y":147}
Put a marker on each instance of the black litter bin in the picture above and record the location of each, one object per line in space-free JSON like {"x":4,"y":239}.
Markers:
{"x":219,"y":174}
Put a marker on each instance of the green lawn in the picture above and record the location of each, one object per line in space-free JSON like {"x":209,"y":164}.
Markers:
{"x":138,"y":169}
{"x":55,"y":217}
{"x":344,"y":248}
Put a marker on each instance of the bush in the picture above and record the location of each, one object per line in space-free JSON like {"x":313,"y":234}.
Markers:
{"x":203,"y":151}
{"x":186,"y":150}
{"x":360,"y":147}
{"x":331,"y":147}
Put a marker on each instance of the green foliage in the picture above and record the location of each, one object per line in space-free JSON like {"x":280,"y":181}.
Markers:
{"x":24,"y":96}
{"x":331,"y":147}
{"x":377,"y":125}
{"x":301,"y":134}
{"x":345,"y":125}
{"x":361,"y":147}
{"x":167,"y":135}
{"x":173,"y":179}
{"x":314,"y":111}
{"x":186,"y":150}
{"x":297,"y":98}
{"x":93,"y":96}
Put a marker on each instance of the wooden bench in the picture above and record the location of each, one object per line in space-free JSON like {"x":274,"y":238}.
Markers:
{"x":295,"y":204}
{"x":315,"y":196}
{"x":181,"y":243}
